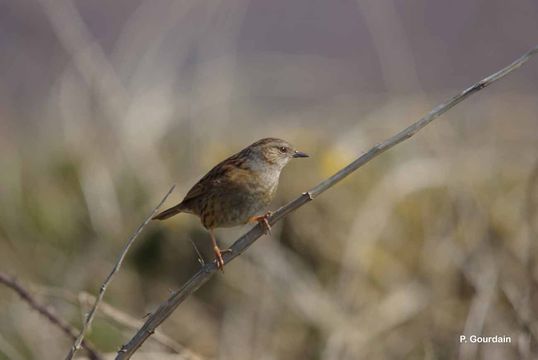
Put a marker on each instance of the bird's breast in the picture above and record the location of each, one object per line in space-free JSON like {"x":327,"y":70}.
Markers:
{"x":266,"y":182}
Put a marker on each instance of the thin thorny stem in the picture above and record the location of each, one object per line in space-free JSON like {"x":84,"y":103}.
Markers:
{"x":117,"y":265}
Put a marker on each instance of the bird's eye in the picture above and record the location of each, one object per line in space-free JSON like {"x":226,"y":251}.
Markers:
{"x":283,"y":149}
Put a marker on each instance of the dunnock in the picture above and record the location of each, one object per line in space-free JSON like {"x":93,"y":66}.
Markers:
{"x":237,"y":189}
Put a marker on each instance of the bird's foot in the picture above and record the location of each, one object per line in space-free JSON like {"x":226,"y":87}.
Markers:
{"x":219,"y":260}
{"x":264,"y":220}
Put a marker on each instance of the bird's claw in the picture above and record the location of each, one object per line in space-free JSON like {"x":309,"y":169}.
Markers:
{"x":264,"y":220}
{"x":219,"y":261}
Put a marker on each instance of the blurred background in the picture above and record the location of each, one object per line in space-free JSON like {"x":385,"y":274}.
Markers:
{"x":105,"y":104}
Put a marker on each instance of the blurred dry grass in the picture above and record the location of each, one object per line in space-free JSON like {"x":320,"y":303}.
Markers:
{"x":431,"y":241}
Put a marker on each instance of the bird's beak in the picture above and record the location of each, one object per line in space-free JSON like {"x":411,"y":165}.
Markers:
{"x":299,"y":154}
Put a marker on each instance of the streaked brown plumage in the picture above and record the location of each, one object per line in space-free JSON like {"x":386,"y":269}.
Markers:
{"x":237,"y":189}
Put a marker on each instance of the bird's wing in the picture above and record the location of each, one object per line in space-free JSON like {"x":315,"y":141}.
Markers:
{"x":224,"y":172}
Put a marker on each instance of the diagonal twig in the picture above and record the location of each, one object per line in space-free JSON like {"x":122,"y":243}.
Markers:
{"x":102,"y":289}
{"x":200,"y":257}
{"x":111,"y":313}
{"x":131,"y":323}
{"x":14,"y":285}
{"x":203,"y":275}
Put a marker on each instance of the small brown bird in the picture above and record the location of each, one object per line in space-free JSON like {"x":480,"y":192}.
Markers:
{"x":237,"y":189}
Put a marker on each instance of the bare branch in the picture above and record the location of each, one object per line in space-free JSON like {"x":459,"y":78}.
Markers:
{"x":112,"y":313}
{"x":203,"y":275}
{"x":129,"y":321}
{"x":102,"y":290}
{"x":13,"y":284}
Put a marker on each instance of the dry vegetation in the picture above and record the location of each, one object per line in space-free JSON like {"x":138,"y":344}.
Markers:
{"x":432,"y":240}
{"x":429,"y":242}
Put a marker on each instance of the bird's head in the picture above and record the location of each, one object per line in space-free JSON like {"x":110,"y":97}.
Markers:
{"x":275,"y":152}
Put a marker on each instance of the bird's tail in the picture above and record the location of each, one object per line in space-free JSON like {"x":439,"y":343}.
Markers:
{"x":169,"y":212}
